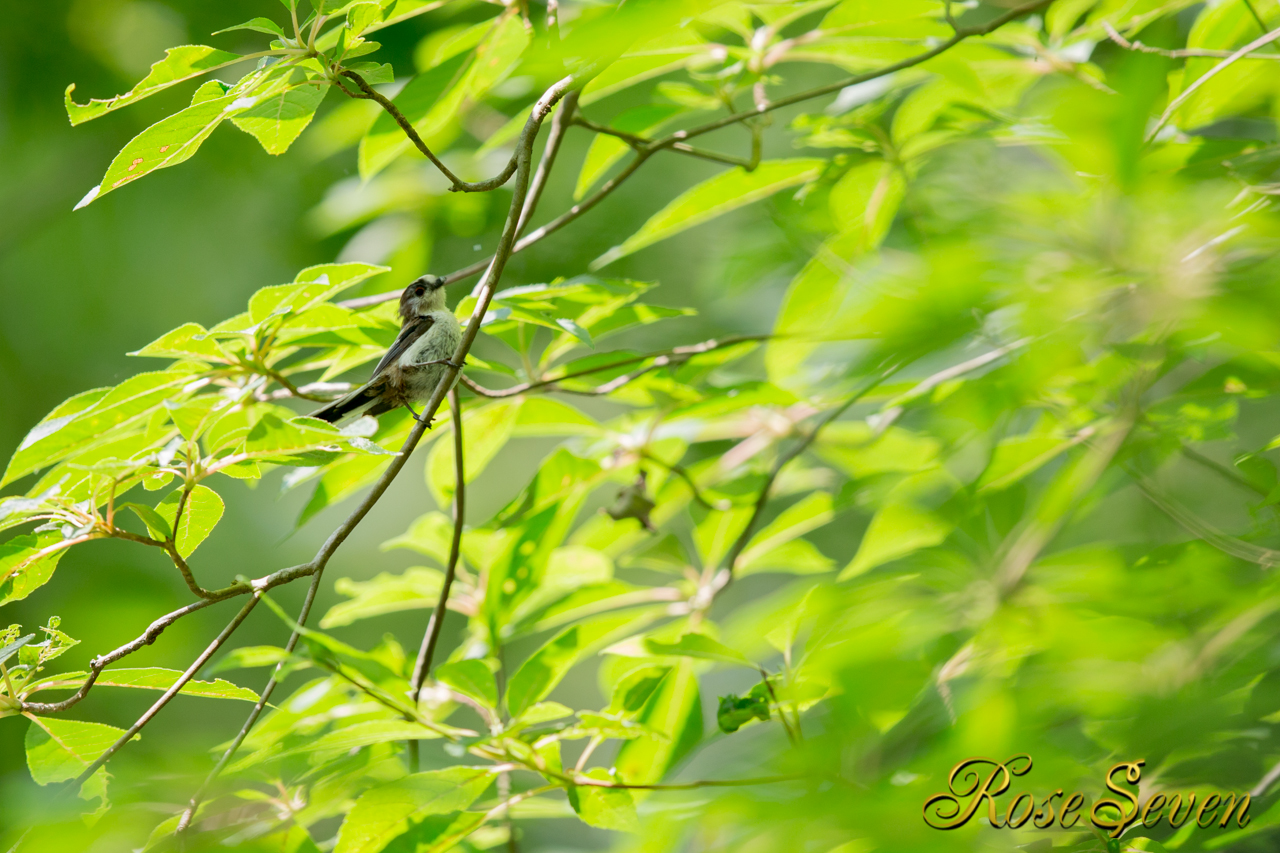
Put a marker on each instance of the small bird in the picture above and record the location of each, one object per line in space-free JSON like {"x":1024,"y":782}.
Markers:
{"x":413,"y":366}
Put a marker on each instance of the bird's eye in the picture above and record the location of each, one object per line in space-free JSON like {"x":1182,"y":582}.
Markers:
{"x":419,"y":290}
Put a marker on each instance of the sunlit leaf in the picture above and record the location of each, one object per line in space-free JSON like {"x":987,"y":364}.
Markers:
{"x":713,"y":197}
{"x":179,"y":63}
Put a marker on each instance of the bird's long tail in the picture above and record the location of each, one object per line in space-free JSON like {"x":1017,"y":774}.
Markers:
{"x":353,"y":403}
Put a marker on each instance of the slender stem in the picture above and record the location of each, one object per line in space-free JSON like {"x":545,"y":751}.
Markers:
{"x":559,"y":126}
{"x":426,"y":653}
{"x":725,"y":576}
{"x":1249,"y":48}
{"x":164,"y":699}
{"x":683,"y":474}
{"x":680,"y":354}
{"x":1180,"y":53}
{"x":369,"y":93}
{"x":249,"y":722}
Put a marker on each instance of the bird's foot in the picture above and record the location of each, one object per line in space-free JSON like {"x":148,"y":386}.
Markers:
{"x":446,"y":361}
{"x":417,"y":417}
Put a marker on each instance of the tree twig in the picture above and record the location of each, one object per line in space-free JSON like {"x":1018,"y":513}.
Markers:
{"x":1180,"y":53}
{"x":186,"y":676}
{"x":1257,"y":43}
{"x":426,"y":653}
{"x":669,"y":356}
{"x":559,"y":126}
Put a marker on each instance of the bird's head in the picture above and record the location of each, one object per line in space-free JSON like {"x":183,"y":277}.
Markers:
{"x":424,"y":295}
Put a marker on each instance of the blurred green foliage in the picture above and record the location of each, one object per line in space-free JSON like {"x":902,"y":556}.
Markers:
{"x":906,"y":417}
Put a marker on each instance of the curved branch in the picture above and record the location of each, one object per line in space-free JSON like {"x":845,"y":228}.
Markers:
{"x":426,"y":653}
{"x":675,"y":355}
{"x":186,"y":676}
{"x":559,"y":126}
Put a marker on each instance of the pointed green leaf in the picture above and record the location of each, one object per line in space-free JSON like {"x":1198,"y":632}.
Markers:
{"x":179,"y":63}
{"x":200,"y":514}
{"x":417,"y":588}
{"x":544,"y":669}
{"x":168,"y":142}
{"x":58,"y":749}
{"x":896,"y":531}
{"x":257,"y":25}
{"x":27,"y":562}
{"x":698,"y":646}
{"x":713,"y":197}
{"x":674,"y":710}
{"x":278,"y":120}
{"x":149,"y":678}
{"x":605,"y":808}
{"x":386,"y":812}
{"x":471,"y":678}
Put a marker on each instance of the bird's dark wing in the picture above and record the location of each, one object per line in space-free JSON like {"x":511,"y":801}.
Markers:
{"x":409,"y":333}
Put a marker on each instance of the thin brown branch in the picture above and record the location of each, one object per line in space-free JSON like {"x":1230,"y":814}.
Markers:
{"x":1180,"y":53}
{"x":683,"y":474}
{"x":675,"y":355}
{"x":559,"y":126}
{"x":1186,"y":93}
{"x":146,"y":638}
{"x":164,"y":699}
{"x":724,"y":576}
{"x":427,"y":651}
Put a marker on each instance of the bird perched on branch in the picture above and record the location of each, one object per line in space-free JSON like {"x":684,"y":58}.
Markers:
{"x":415,"y":363}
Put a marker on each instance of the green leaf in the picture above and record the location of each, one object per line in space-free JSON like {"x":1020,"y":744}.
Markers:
{"x":866,"y":199}
{"x":186,"y":341}
{"x":895,"y":531}
{"x":416,"y":588}
{"x":179,"y":64}
{"x":168,"y":142}
{"x":386,"y":812}
{"x":713,"y":197}
{"x":485,"y":430}
{"x":248,"y":657}
{"x":674,"y":710}
{"x":150,"y":678}
{"x":808,"y":514}
{"x":91,"y":416}
{"x":200,"y":514}
{"x":157,"y":525}
{"x":544,"y":669}
{"x":1017,"y":457}
{"x":471,"y":678}
{"x":698,"y":646}
{"x":58,"y":749}
{"x":813,"y":297}
{"x":26,"y":564}
{"x":257,"y":25}
{"x":604,"y":808}
{"x":278,"y":120}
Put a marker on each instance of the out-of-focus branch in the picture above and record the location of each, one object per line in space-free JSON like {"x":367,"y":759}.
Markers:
{"x":662,"y":358}
{"x":426,"y":653}
{"x":171,"y":692}
{"x":559,"y":126}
